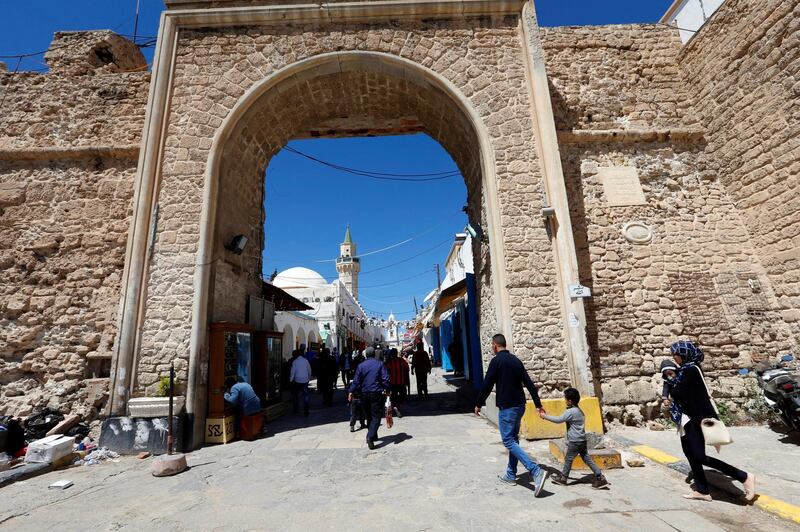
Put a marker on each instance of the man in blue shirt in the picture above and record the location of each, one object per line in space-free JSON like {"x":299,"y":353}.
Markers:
{"x":507,"y":372}
{"x":244,"y":399}
{"x":371,"y":381}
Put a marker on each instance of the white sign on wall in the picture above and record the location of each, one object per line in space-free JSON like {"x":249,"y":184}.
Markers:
{"x":621,"y":186}
{"x":579,"y":291}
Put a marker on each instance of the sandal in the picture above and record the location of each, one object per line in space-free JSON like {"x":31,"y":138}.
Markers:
{"x":750,"y":487}
{"x":696,"y":495}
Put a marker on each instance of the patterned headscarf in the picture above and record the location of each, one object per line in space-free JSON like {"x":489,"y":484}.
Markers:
{"x":691,"y":354}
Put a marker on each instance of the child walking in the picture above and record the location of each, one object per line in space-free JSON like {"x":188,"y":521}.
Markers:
{"x":576,"y":440}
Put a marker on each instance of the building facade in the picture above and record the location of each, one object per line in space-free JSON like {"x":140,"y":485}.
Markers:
{"x":663,"y":176}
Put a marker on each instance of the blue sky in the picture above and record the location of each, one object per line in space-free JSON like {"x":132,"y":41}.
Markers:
{"x":309,"y":205}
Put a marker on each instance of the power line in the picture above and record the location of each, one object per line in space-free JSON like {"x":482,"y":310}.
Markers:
{"x":447,"y":241}
{"x":392,"y":265}
{"x":151,"y":41}
{"x":426,"y":272}
{"x":379,"y":175}
{"x":407,"y":240}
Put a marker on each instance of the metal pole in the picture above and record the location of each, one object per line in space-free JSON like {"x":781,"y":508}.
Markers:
{"x":170,"y":438}
{"x":136,"y":22}
{"x":438,"y":278}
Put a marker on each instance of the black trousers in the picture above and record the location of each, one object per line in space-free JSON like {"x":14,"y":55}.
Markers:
{"x":694,"y":447}
{"x":356,"y":411}
{"x":422,"y":383}
{"x":398,"y":394}
{"x":373,"y":405}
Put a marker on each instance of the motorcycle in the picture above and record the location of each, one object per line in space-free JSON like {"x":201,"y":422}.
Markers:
{"x":781,"y":391}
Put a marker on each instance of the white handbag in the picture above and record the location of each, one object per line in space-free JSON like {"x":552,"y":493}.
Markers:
{"x":714,"y":430}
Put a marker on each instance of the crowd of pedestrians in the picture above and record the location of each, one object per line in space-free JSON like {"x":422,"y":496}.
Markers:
{"x":378,"y":383}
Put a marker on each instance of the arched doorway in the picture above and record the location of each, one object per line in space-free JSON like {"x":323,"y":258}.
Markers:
{"x":288,"y":342}
{"x":230,"y":88}
{"x":339,"y":94}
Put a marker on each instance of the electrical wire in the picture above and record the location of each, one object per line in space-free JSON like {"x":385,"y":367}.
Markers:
{"x":440,"y":244}
{"x":426,"y":272}
{"x":407,"y":240}
{"x":379,"y":175}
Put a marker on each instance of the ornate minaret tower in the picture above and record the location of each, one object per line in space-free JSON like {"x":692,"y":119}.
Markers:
{"x":348,"y":265}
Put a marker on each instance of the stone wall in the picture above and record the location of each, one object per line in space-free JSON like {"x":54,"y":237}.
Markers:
{"x":621,"y":102}
{"x":742,"y":72}
{"x":214,"y":67}
{"x":68,"y":153}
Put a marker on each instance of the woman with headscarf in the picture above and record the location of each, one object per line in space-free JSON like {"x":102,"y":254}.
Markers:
{"x":692,"y":404}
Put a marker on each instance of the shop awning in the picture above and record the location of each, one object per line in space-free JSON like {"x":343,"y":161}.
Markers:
{"x":450,"y":296}
{"x":281,"y":298}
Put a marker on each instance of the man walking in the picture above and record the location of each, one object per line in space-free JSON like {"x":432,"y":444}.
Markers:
{"x":299,"y":377}
{"x":421,"y":366}
{"x":371,"y":383}
{"x":507,"y":372}
{"x":345,"y":363}
{"x":398,"y":375}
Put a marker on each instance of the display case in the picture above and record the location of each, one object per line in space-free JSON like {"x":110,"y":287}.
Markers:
{"x":267,"y":363}
{"x":230,"y":358}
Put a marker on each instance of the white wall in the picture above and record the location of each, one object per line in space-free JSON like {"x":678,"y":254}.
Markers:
{"x":458,"y":263}
{"x":690,"y":15}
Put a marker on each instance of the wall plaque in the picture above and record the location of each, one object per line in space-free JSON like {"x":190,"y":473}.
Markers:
{"x":621,"y":186}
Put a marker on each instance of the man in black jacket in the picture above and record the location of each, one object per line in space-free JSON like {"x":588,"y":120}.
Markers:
{"x":507,"y":372}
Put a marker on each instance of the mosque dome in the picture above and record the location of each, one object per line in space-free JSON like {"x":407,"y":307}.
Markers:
{"x":299,"y":278}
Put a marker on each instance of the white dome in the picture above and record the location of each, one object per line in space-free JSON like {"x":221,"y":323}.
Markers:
{"x":299,"y":278}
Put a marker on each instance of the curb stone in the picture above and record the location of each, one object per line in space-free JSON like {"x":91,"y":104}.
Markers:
{"x":766,"y":503}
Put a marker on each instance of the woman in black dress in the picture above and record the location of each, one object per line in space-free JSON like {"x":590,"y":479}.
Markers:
{"x":693,"y":403}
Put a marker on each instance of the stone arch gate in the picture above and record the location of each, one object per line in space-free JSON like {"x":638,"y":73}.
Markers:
{"x":233,"y":81}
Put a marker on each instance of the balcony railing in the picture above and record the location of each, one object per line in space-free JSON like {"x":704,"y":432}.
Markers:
{"x":348,"y":260}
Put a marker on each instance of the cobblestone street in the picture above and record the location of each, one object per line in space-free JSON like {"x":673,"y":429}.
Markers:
{"x":436,"y":469}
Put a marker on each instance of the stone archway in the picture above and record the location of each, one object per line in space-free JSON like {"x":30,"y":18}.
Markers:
{"x":232,"y":86}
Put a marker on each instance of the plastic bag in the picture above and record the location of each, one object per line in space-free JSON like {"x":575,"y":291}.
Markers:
{"x":37,"y":426}
{"x":389,"y":420}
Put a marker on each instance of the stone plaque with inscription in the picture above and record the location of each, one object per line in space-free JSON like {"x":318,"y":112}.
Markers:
{"x":621,"y":186}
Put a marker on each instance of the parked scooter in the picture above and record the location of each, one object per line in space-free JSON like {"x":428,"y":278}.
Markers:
{"x":781,"y":391}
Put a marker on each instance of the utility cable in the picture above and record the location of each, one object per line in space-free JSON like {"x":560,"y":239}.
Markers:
{"x":392,"y":265}
{"x":407,"y":240}
{"x":426,"y":272}
{"x":379,"y":175}
{"x":440,"y":244}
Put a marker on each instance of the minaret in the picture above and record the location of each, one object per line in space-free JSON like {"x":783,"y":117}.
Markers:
{"x":348,"y":265}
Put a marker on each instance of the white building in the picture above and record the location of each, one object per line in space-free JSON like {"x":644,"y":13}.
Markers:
{"x":690,"y":15}
{"x":340,"y":320}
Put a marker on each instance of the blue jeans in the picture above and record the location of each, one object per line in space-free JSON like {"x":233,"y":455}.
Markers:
{"x":508,"y":422}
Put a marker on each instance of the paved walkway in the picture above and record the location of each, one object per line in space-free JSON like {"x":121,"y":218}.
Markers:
{"x":435,"y":470}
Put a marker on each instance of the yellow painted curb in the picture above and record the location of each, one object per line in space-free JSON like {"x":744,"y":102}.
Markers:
{"x":604,"y":459}
{"x":532,"y":427}
{"x":778,"y":507}
{"x":655,"y":455}
{"x":765,"y":502}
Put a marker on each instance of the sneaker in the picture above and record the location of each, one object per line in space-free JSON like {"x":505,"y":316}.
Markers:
{"x":538,"y":482}
{"x":352,"y":428}
{"x":506,"y":479}
{"x":559,"y":479}
{"x":371,"y":445}
{"x":600,"y":483}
